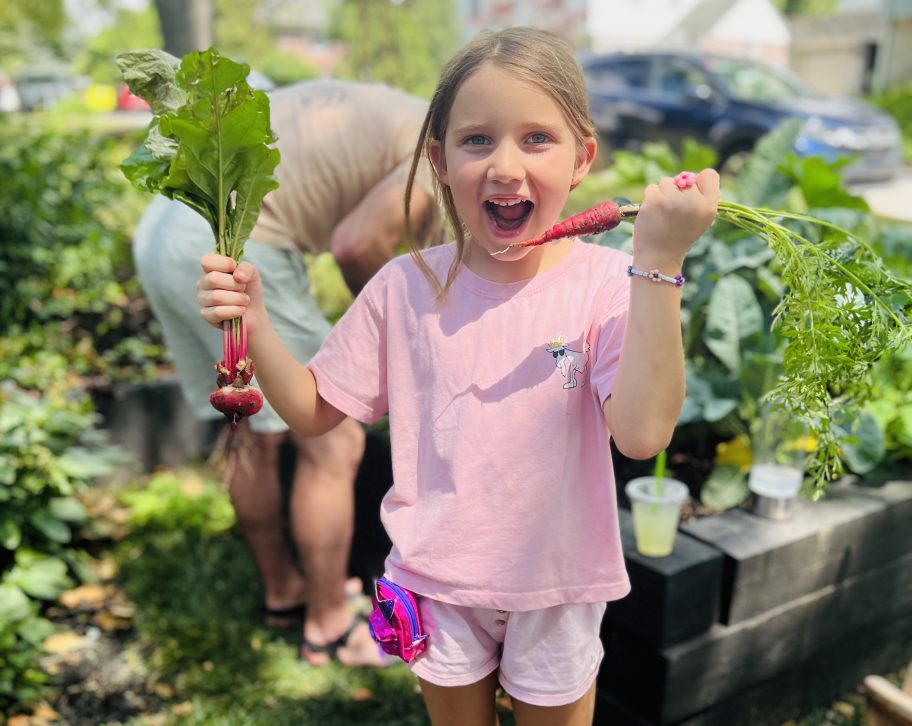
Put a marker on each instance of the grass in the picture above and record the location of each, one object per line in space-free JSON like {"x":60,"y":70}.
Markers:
{"x":197,"y":599}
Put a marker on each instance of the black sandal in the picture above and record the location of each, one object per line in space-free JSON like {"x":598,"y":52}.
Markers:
{"x":284,"y":618}
{"x":332,"y":649}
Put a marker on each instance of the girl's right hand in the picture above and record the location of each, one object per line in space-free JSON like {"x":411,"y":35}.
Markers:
{"x":228,"y":290}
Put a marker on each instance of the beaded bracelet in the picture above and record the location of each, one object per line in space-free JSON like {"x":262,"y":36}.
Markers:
{"x":656,"y":276}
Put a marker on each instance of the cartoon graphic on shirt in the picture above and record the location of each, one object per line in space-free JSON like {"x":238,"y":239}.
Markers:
{"x":569,"y":362}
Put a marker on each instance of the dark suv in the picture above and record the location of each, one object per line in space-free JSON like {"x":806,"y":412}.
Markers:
{"x":729,"y":103}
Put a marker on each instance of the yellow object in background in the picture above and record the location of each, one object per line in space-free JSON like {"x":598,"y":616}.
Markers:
{"x":736,"y":452}
{"x":100,"y":97}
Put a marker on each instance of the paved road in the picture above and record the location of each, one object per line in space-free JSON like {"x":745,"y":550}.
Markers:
{"x":889,"y":199}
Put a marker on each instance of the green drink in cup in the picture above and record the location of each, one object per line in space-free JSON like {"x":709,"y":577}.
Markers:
{"x":655,"y":503}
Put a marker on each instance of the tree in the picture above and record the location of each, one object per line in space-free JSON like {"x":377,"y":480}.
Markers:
{"x":807,"y":7}
{"x":186,"y":25}
{"x":238,"y":32}
{"x":27,"y":26}
{"x":130,"y":29}
{"x":400,"y":42}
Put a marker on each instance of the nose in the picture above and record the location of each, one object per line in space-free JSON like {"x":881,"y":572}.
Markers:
{"x":505,"y":163}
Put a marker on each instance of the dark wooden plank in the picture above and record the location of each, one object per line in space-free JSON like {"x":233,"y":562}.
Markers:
{"x":768,"y":563}
{"x":817,"y":681}
{"x":682,"y":681}
{"x":672,"y":598}
{"x":715,"y":666}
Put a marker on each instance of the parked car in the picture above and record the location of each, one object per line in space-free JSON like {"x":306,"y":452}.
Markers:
{"x":728,"y":104}
{"x":43,"y":84}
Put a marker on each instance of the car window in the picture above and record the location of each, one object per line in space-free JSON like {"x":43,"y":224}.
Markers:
{"x":619,"y":75}
{"x":677,"y":80}
{"x":750,"y":81}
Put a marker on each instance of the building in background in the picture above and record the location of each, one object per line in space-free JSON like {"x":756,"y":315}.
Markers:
{"x":744,"y":28}
{"x":893,"y":64}
{"x":567,"y":18}
{"x":866,"y":47}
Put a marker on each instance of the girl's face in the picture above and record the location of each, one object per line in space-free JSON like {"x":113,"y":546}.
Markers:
{"x":510,"y":159}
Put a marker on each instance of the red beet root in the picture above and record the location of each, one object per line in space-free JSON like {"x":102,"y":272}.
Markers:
{"x":236,"y":401}
{"x":235,"y":397}
{"x":601,"y":218}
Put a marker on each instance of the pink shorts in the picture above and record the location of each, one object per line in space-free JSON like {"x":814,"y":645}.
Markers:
{"x":546,"y":657}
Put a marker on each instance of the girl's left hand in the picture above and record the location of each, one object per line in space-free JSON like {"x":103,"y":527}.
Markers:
{"x":671,"y":219}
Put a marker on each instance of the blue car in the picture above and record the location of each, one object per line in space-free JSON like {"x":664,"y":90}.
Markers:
{"x":728,"y":104}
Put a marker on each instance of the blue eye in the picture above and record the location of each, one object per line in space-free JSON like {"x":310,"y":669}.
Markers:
{"x":476,"y":140}
{"x":539,"y":138}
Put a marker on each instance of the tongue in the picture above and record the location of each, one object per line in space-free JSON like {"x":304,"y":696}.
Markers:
{"x":512,"y":213}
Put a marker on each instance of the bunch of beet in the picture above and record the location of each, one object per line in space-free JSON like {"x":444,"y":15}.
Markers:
{"x":211,"y":143}
{"x":235,"y":397}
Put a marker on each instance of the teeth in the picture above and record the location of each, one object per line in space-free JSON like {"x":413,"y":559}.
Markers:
{"x":506,"y":202}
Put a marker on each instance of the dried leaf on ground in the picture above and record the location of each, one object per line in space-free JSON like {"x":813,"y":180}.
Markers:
{"x":89,"y":597}
{"x":65,"y":642}
{"x":182,"y":709}
{"x":110,"y":622}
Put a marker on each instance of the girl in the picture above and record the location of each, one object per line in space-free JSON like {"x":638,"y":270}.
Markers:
{"x":503,"y":376}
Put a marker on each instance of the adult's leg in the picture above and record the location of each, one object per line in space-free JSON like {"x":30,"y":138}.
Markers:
{"x":578,"y":713}
{"x":256,"y":493}
{"x":471,"y":705}
{"x":322,"y":516}
{"x":169,"y":241}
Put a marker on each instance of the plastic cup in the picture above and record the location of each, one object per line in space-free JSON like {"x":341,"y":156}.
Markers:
{"x":776,"y":481}
{"x":656,"y":509}
{"x":777,"y":471}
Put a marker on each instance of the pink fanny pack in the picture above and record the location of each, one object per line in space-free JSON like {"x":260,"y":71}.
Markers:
{"x":395,"y":622}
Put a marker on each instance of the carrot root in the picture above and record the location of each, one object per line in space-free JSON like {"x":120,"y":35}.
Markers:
{"x":600,"y":218}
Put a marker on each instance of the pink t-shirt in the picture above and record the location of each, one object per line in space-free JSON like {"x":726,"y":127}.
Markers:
{"x":503,"y":493}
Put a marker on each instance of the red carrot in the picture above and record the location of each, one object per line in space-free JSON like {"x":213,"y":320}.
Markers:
{"x":600,"y":218}
{"x":235,"y":397}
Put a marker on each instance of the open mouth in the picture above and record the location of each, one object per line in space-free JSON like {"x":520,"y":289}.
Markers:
{"x":508,"y":215}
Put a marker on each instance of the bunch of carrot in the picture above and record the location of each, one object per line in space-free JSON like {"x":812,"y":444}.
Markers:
{"x":841,"y":311}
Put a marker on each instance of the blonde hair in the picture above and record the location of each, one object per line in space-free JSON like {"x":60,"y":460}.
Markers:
{"x":536,"y":56}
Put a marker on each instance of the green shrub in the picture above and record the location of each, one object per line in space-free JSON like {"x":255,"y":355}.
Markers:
{"x":48,"y":453}
{"x":285,"y":68}
{"x":65,"y":218}
{"x":732,"y":356}
{"x":898,"y":103}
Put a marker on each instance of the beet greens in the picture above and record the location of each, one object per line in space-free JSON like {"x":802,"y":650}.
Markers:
{"x":208,"y":146}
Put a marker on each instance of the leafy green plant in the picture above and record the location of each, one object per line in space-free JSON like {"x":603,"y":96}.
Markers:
{"x":781,"y":292}
{"x":65,"y":254}
{"x":891,"y":404}
{"x":49,"y":452}
{"x":208,"y":143}
{"x":186,"y":503}
{"x":897,"y":102}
